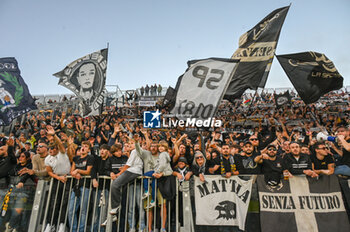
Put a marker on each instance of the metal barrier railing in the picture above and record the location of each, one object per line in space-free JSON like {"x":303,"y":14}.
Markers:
{"x":57,"y":204}
{"x":78,"y":206}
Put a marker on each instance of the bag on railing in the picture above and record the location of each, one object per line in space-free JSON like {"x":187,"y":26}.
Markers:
{"x":167,"y":187}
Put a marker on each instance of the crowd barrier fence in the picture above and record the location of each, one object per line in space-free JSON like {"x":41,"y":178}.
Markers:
{"x":78,"y":203}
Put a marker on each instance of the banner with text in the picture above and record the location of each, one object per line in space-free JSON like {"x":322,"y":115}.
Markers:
{"x":222,"y":201}
{"x":302,"y":204}
{"x":200,"y":89}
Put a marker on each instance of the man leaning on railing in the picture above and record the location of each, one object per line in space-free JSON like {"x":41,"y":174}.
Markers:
{"x":82,"y":166}
{"x":58,"y":167}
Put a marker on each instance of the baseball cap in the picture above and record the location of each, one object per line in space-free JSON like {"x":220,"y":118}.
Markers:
{"x":182,"y":159}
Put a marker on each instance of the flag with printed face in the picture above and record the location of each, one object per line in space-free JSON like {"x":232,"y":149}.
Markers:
{"x":14,"y":93}
{"x":200,"y":89}
{"x":222,"y":201}
{"x":282,"y":99}
{"x":256,"y":50}
{"x":302,"y":204}
{"x":311,"y":73}
{"x":86,"y":77}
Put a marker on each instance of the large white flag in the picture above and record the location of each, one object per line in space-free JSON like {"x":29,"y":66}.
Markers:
{"x":200,"y":89}
{"x":222,"y":201}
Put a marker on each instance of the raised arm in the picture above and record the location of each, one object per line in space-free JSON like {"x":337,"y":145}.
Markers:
{"x":51,"y":131}
{"x":148,"y":141}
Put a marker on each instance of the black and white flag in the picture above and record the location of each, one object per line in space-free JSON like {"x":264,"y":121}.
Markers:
{"x":282,"y":99}
{"x":256,"y":50}
{"x":302,"y":204}
{"x":345,"y":186}
{"x":111,"y":101}
{"x":15,"y":98}
{"x":86,"y":77}
{"x":200,"y":89}
{"x":311,"y":73}
{"x":169,"y":98}
{"x":222,"y":201}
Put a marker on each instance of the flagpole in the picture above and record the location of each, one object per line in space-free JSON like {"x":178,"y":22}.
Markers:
{"x":105,"y":98}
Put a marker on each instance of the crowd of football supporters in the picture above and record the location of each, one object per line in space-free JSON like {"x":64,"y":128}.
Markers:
{"x":254,"y":139}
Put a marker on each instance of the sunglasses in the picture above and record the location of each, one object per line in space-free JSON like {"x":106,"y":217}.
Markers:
{"x":272,"y":149}
{"x":199,"y":157}
{"x":253,"y":139}
{"x":41,"y":146}
{"x":323,"y":148}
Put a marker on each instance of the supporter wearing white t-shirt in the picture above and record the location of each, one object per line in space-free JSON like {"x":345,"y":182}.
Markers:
{"x":57,"y":166}
{"x":131,"y":170}
{"x":57,"y":163}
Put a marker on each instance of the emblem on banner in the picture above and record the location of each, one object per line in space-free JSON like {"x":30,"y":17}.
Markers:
{"x":227,"y":210}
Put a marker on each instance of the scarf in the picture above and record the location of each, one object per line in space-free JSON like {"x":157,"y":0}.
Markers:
{"x":232,"y":164}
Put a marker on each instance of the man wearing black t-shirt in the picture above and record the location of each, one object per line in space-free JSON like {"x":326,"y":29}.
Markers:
{"x":249,"y":166}
{"x":116,"y":162}
{"x":322,"y":162}
{"x":272,"y":165}
{"x":82,"y":166}
{"x":298,"y":163}
{"x":101,"y":184}
{"x":343,"y":136}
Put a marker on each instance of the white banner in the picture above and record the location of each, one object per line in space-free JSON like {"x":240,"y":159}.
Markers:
{"x":147,"y":103}
{"x":201,"y":88}
{"x":222,"y":201}
{"x":302,"y":204}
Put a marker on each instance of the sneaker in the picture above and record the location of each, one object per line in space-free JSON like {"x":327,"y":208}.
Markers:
{"x":61,"y":228}
{"x":114,"y":219}
{"x":343,"y":177}
{"x":151,"y":205}
{"x":163,"y":230}
{"x":114,"y":211}
{"x":9,"y":228}
{"x":145,"y":195}
{"x":47,"y":228}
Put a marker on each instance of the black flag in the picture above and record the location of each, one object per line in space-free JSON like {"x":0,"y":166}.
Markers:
{"x":311,"y":73}
{"x":282,"y":99}
{"x":14,"y":94}
{"x":256,"y":51}
{"x":169,"y":98}
{"x":86,"y":77}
